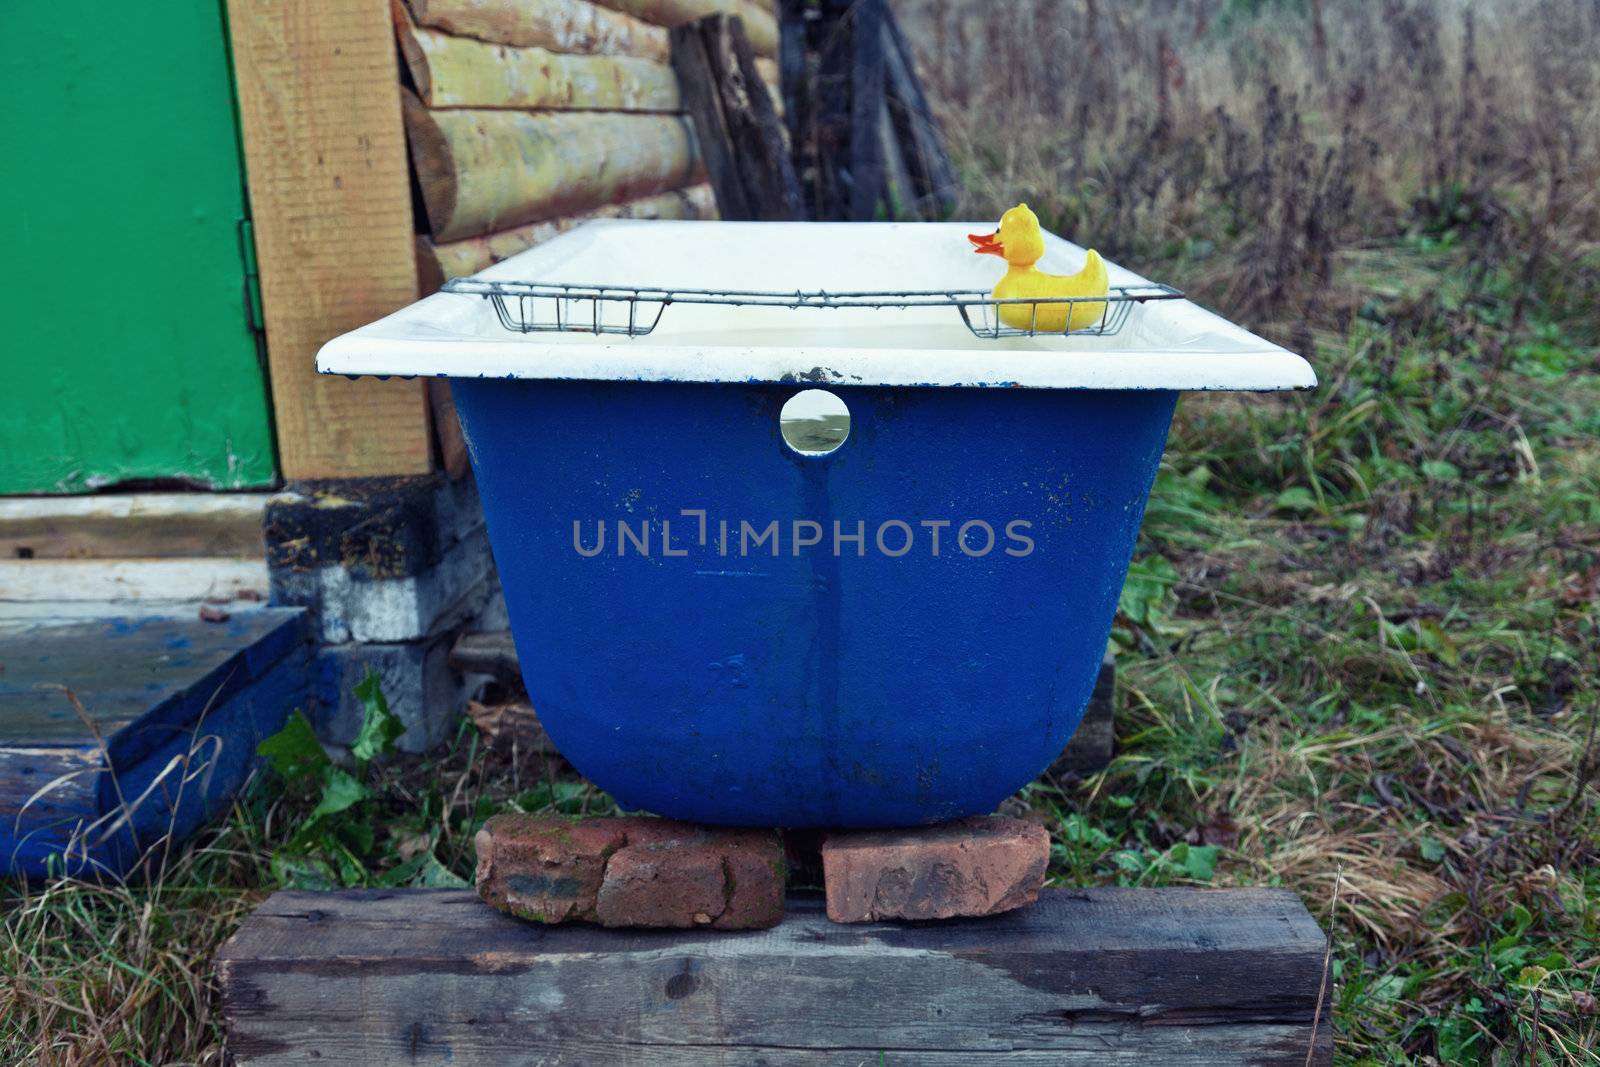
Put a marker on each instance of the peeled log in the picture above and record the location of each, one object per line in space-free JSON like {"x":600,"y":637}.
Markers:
{"x":759,"y":25}
{"x":483,"y":171}
{"x":569,"y":26}
{"x":462,"y":72}
{"x":457,"y":259}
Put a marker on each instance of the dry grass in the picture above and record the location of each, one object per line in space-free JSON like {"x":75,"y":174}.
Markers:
{"x":105,"y":972}
{"x":1370,"y":671}
{"x":1372,"y":675}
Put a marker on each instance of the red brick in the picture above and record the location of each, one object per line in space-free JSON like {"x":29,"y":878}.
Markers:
{"x":728,"y":879}
{"x":545,"y":869}
{"x":667,"y":883}
{"x":631,"y":872}
{"x":973,"y":867}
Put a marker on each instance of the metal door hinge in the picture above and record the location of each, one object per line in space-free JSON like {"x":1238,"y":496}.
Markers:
{"x":253,"y":315}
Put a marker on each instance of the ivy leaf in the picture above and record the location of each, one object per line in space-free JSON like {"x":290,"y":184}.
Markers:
{"x":294,"y":751}
{"x":422,"y":871}
{"x":1145,"y":592}
{"x":380,"y":729}
{"x":435,"y":875}
{"x":295,"y":871}
{"x":339,"y":792}
{"x":1201,"y":862}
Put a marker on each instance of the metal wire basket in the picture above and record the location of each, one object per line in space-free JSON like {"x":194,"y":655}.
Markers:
{"x":629,"y":311}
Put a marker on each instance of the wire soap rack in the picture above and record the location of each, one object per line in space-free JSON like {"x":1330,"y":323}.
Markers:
{"x":635,"y":311}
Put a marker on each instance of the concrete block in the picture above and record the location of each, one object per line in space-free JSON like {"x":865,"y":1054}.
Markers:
{"x":382,"y":559}
{"x":423,"y":690}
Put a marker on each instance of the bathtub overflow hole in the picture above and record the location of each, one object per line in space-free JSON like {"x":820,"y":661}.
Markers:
{"x":814,"y":422}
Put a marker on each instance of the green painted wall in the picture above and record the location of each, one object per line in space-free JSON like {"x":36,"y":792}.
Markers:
{"x":124,"y":344}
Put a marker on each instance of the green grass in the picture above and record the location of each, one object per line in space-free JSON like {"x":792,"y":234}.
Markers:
{"x":1360,"y":664}
{"x":1356,"y":659}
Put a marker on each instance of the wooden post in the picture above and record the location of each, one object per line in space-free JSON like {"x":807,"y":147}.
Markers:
{"x":933,"y":176}
{"x":331,"y":209}
{"x":794,"y":80}
{"x":736,"y":125}
{"x":1214,"y":976}
{"x":827,"y":149}
{"x":698,"y":88}
{"x":867,"y":183}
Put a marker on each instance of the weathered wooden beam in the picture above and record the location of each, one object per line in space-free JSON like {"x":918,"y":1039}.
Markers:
{"x":826,"y":140}
{"x":132,"y":525}
{"x":450,"y":71}
{"x":331,"y":211}
{"x":157,"y":740}
{"x":575,"y":26}
{"x":899,"y":191}
{"x":457,"y":259}
{"x":1095,"y":976}
{"x":697,"y":81}
{"x":483,"y":171}
{"x":56,"y":584}
{"x":753,"y":122}
{"x":759,"y":23}
{"x":867,"y":180}
{"x":933,"y":176}
{"x":493,"y":653}
{"x":736,"y":125}
{"x":453,"y":454}
{"x":793,"y":73}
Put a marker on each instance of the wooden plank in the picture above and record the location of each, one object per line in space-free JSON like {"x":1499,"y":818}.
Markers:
{"x":488,"y":653}
{"x":191,"y":772}
{"x":155,"y":670}
{"x":795,"y":89}
{"x":753,"y":123}
{"x":933,"y":175}
{"x":483,"y":171}
{"x":697,"y":81}
{"x":147,"y":525}
{"x":170,"y":711}
{"x":867,"y":180}
{"x":825,"y":147}
{"x":452,"y":71}
{"x":560,"y":25}
{"x":758,"y":21}
{"x":1096,"y":976}
{"x":47,"y":797}
{"x":457,"y":259}
{"x":453,"y":455}
{"x":331,"y":208}
{"x":129,"y":581}
{"x":736,"y":126}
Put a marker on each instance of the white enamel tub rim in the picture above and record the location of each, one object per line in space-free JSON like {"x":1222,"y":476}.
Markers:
{"x":1170,"y":344}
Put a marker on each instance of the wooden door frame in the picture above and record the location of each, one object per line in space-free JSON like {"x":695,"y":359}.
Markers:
{"x":330,"y":202}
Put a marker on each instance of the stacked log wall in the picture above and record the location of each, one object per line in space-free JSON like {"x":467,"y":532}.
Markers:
{"x":525,"y":118}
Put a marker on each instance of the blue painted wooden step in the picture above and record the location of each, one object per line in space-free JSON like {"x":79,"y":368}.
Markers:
{"x":170,"y":711}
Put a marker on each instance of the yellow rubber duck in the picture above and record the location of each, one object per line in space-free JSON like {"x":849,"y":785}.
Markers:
{"x":1020,"y":242}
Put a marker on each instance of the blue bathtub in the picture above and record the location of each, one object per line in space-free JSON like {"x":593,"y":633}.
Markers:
{"x":718,"y":627}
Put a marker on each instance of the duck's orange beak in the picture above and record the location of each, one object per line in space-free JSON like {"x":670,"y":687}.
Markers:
{"x":987,"y":244}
